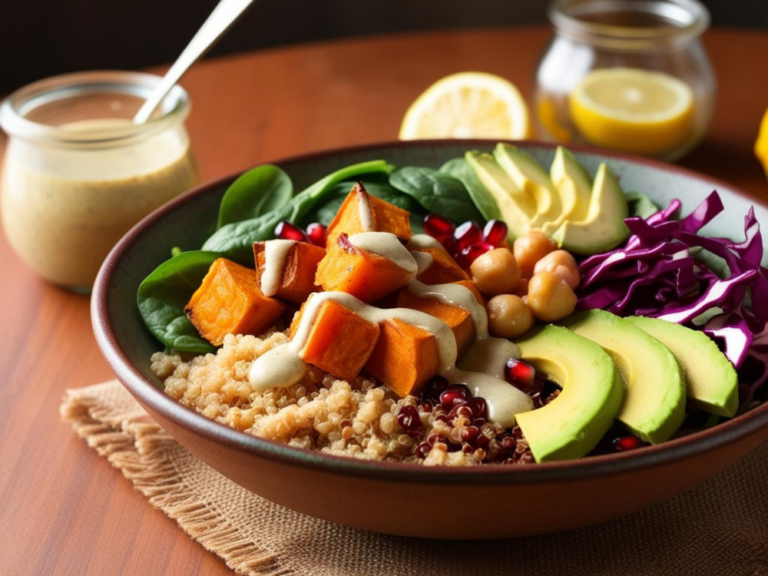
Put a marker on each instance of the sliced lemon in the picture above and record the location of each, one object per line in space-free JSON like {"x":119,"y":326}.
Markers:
{"x":633,"y":110}
{"x":468,"y":105}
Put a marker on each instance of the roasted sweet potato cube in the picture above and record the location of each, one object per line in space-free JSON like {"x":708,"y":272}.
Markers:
{"x":384,"y":217}
{"x":405,"y":357}
{"x":443,"y":270}
{"x":339,"y":341}
{"x":297,"y":277}
{"x":367,"y":276}
{"x":229,"y":301}
{"x":456,"y":317}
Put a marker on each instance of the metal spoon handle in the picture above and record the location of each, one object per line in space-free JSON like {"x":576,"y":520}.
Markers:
{"x":222,"y":17}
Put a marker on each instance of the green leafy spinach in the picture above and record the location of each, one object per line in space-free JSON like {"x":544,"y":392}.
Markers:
{"x":436,"y":192}
{"x":235,"y":240}
{"x":257,"y":192}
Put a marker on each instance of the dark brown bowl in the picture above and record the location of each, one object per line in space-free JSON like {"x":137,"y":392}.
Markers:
{"x":412,"y":500}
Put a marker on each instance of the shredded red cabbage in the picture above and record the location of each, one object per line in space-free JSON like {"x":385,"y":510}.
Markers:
{"x":659,"y":273}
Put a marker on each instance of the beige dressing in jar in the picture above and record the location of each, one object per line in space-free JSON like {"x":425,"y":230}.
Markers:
{"x":69,"y":197}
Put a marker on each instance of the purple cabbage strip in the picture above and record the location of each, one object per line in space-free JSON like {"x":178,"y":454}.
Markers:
{"x":703,"y":215}
{"x":714,"y":296}
{"x":655,"y":274}
{"x":736,"y":334}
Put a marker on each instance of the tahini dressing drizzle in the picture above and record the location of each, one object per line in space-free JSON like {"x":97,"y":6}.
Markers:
{"x":282,"y":366}
{"x":275,"y":253}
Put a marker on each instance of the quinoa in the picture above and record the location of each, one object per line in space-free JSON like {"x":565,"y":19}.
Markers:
{"x":360,"y":419}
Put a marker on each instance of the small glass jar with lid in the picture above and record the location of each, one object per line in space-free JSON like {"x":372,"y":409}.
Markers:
{"x":78,"y":174}
{"x":630,"y":75}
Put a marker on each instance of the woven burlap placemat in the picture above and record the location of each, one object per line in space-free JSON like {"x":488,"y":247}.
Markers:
{"x":719,"y":528}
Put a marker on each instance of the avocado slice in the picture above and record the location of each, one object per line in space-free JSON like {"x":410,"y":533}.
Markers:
{"x":573,"y":185}
{"x":573,"y":423}
{"x":654,"y":400}
{"x":530,"y":177}
{"x":710,"y":379}
{"x":603,"y":228}
{"x":516,"y":206}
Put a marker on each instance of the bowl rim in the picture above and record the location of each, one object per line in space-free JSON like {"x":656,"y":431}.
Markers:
{"x":569,"y":470}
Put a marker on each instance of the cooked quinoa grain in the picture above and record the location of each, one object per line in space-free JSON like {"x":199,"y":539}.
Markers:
{"x":360,"y":419}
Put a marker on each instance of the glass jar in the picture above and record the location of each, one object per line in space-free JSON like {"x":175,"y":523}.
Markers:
{"x":78,"y":174}
{"x":661,"y":36}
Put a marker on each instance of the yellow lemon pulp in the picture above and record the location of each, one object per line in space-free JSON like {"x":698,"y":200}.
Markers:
{"x":633,"y":110}
{"x":468,"y":105}
{"x":761,"y":146}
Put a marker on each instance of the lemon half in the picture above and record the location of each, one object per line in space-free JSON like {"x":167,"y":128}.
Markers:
{"x":468,"y":105}
{"x":761,"y":145}
{"x":633,"y":110}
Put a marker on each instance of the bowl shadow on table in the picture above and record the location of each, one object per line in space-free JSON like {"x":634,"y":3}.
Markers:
{"x":716,"y":528}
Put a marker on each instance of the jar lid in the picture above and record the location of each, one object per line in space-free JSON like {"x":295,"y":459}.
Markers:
{"x":40,"y":111}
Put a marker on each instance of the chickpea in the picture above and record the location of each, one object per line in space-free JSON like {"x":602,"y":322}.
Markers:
{"x":495,"y":272}
{"x":508,"y":316}
{"x":550,"y":298}
{"x":530,"y":248}
{"x":561,"y":264}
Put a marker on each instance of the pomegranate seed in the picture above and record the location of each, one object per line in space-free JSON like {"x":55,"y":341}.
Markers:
{"x":316,"y":233}
{"x":624,"y":443}
{"x":426,"y":406}
{"x":520,"y":374}
{"x":478,"y":422}
{"x":508,"y":442}
{"x":423,"y":450}
{"x":437,"y":226}
{"x":451,"y":246}
{"x":432,"y":438}
{"x":460,"y":410}
{"x":472,"y":252}
{"x":468,"y":234}
{"x":495,"y":232}
{"x":455,"y":395}
{"x":470,"y":433}
{"x":287,"y":231}
{"x":408,"y":418}
{"x":479,"y":407}
{"x":435,"y":387}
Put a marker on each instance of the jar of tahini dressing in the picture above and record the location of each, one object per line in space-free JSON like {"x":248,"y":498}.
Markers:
{"x":78,"y":174}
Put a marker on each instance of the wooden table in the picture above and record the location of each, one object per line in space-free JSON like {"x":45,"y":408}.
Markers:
{"x":64,"y":510}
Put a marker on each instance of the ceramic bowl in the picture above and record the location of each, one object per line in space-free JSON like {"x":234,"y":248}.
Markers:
{"x":412,"y":500}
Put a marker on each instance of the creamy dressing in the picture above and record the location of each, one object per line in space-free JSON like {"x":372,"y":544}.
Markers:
{"x":423,"y":261}
{"x":275,"y":253}
{"x":366,"y":211}
{"x":63,"y":208}
{"x":421,"y":241}
{"x":482,"y":369}
{"x":387,"y":246}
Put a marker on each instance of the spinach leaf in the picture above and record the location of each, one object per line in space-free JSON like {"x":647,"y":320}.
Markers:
{"x":437,"y":192}
{"x":164,"y":293}
{"x":325,"y":210}
{"x":460,"y":169}
{"x":235,"y":240}
{"x":258,"y":191}
{"x":640,"y":205}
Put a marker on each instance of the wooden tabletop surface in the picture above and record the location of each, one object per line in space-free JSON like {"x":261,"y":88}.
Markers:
{"x":64,"y":510}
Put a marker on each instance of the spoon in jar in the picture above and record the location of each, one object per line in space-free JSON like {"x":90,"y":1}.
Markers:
{"x":223,"y":16}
